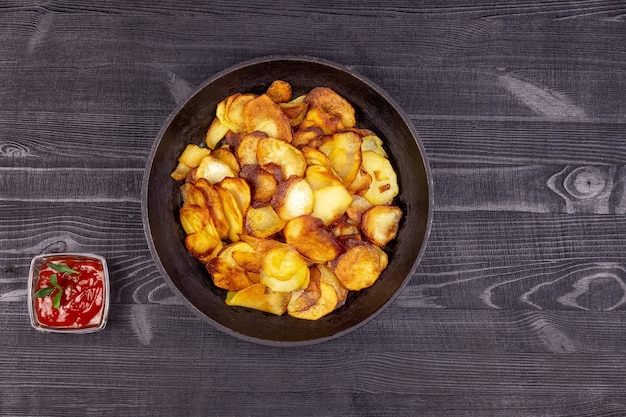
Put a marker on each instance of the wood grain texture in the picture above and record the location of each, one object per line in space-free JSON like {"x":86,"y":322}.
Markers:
{"x":518,"y":306}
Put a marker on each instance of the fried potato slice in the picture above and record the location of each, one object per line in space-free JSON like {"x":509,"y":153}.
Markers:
{"x":384,"y":186}
{"x":192,"y":155}
{"x":263,"y":222}
{"x":360,"y":266}
{"x":332,"y":103}
{"x":225,"y":271}
{"x":262,"y":183}
{"x":328,"y":276}
{"x":192,"y":195}
{"x":190,"y":158}
{"x":304,"y":299}
{"x":180,"y":172}
{"x":275,"y":151}
{"x":230,"y":111}
{"x":293,"y":198}
{"x":380,"y":224}
{"x":373,"y":143}
{"x":264,"y":115}
{"x":259,"y":297}
{"x":194,"y":218}
{"x":304,"y":137}
{"x":319,"y":176}
{"x":344,"y":152}
{"x":283,"y":269}
{"x":358,"y":206}
{"x":346,"y":229}
{"x":234,"y":217}
{"x":215,"y":206}
{"x":227,"y":157}
{"x":325,"y":304}
{"x":329,"y":203}
{"x":202,"y":240}
{"x":279,"y":91}
{"x":203,"y":245}
{"x":246,"y":150}
{"x":315,"y":117}
{"x":240,"y":189}
{"x":315,"y":157}
{"x":308,"y":235}
{"x":361,"y":183}
{"x":261,"y":245}
{"x":213,"y":170}
{"x":294,"y":111}
{"x":215,"y":133}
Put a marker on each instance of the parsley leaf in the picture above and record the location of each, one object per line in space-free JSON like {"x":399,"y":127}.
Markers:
{"x":43,"y":292}
{"x":62,"y":268}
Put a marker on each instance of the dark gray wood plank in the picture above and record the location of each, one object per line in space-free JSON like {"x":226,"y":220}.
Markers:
{"x":517,"y":308}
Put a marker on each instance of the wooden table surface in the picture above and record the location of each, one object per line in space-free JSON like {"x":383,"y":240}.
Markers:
{"x":518,"y":307}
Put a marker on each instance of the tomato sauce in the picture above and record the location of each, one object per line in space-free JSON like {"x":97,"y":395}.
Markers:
{"x":82,"y":295}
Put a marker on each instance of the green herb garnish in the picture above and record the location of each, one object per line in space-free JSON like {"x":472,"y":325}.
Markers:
{"x":46,"y":291}
{"x":63,"y":268}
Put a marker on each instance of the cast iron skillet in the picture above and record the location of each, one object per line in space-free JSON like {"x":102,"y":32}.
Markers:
{"x":187,"y":277}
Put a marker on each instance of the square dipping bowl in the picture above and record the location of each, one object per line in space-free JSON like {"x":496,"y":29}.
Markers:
{"x":84,"y":303}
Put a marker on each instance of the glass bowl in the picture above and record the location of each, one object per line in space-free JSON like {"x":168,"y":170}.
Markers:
{"x":68,"y":293}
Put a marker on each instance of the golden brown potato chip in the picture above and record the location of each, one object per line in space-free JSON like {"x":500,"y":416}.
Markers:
{"x":315,"y":117}
{"x":294,"y":112}
{"x":332,"y":103}
{"x":304,"y":299}
{"x":330,"y":203}
{"x":246,"y":150}
{"x":264,"y":115}
{"x":228,"y":158}
{"x":240,"y":189}
{"x":328,"y":276}
{"x":373,"y":143}
{"x":318,"y":176}
{"x":304,"y":137}
{"x":194,"y":218}
{"x":358,"y":206}
{"x":283,"y":269}
{"x":203,"y":245}
{"x":344,"y":152}
{"x":289,"y":158}
{"x":380,"y":224}
{"x":325,"y":304}
{"x":192,"y":155}
{"x":315,"y":157}
{"x":263,"y":222}
{"x":384,"y":186}
{"x":234,"y":217}
{"x":216,"y":132}
{"x":308,"y":235}
{"x":279,"y":91}
{"x":261,"y":245}
{"x":346,"y":229}
{"x":262,"y":184}
{"x":361,"y":183}
{"x":360,"y":266}
{"x":215,"y":206}
{"x":180,"y":172}
{"x":225,"y":271}
{"x":234,"y":111}
{"x":213,"y":170}
{"x":259,"y":297}
{"x":293,"y":198}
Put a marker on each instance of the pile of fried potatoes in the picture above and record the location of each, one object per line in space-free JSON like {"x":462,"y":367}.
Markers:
{"x":289,"y":204}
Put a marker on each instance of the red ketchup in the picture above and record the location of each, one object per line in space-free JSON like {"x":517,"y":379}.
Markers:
{"x":82,"y":297}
